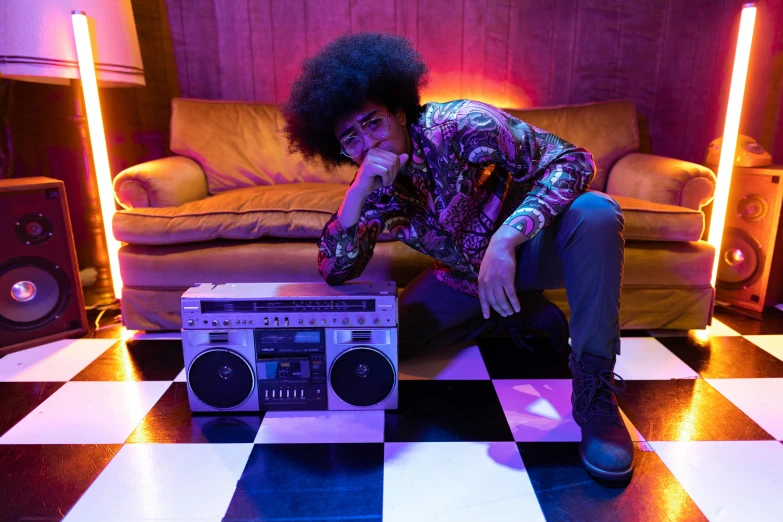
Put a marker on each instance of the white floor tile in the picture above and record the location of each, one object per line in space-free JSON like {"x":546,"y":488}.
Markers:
{"x":728,"y":480}
{"x":88,"y":413}
{"x":165,"y":482}
{"x":538,"y":410}
{"x":771,"y":343}
{"x":645,"y":358}
{"x":57,"y":361}
{"x":719,"y":329}
{"x":458,"y":362}
{"x":759,"y":399}
{"x":308,"y":427}
{"x":181,"y":377}
{"x":456,"y":482}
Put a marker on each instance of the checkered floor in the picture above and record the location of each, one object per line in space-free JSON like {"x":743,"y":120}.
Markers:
{"x":100,"y":429}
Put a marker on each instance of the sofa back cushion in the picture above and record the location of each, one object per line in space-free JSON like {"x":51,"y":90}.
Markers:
{"x":609,"y":130}
{"x":241,"y":144}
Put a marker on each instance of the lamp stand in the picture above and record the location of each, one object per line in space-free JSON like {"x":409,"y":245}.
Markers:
{"x":103,"y":289}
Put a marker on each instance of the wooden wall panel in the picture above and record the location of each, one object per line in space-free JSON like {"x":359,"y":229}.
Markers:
{"x":263,"y":49}
{"x":406,"y":14}
{"x":290,"y":42}
{"x":530,"y":52}
{"x":235,"y":50}
{"x":672,"y":58}
{"x":199,"y":23}
{"x":326,"y":20}
{"x":439,"y":38}
{"x":597,"y":49}
{"x":473,"y":85}
{"x":562,"y":41}
{"x":373,"y":15}
{"x":496,"y":52}
{"x":639,"y":59}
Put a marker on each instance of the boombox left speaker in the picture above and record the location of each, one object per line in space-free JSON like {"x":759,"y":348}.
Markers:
{"x":40,"y":291}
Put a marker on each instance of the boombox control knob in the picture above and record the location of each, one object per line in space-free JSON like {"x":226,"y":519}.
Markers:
{"x":312,"y":321}
{"x":226,"y":322}
{"x":376,"y":320}
{"x":214,"y":322}
{"x":190,"y":322}
{"x":346,"y":320}
{"x":360,"y":320}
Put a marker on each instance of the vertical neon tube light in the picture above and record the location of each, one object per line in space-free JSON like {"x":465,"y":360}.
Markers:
{"x":81,"y":32}
{"x":730,"y":132}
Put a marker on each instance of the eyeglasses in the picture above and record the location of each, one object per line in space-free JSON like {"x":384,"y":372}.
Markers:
{"x":376,"y":128}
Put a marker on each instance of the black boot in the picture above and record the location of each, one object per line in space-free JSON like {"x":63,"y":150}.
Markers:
{"x":538,"y":315}
{"x":606,"y":449}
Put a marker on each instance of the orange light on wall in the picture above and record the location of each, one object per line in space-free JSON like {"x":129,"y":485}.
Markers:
{"x":730,"y":131}
{"x":81,"y":32}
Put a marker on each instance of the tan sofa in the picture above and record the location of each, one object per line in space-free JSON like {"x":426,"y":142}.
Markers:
{"x":232,"y":205}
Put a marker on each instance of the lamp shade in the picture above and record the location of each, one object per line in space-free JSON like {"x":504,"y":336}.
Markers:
{"x":37,"y":42}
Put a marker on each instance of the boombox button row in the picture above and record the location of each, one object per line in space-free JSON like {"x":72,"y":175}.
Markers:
{"x":287,"y":394}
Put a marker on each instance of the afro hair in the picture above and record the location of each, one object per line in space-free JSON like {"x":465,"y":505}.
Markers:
{"x":347,"y":73}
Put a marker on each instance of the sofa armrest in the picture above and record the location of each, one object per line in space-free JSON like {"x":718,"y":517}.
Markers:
{"x":662,"y":180}
{"x":165,"y":182}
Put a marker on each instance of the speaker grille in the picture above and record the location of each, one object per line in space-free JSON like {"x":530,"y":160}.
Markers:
{"x":221,"y":378}
{"x":362,"y":376}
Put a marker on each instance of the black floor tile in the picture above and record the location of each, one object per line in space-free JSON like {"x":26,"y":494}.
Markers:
{"x":171,"y":421}
{"x":140,"y":360}
{"x":43,"y":482}
{"x":684,"y":410}
{"x":504,"y":360}
{"x":566,"y":492}
{"x":447,"y":411}
{"x":724,"y":357}
{"x":771,"y":323}
{"x":310,"y":482}
{"x":17,"y":399}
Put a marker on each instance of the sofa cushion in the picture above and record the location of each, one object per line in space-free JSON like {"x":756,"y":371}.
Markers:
{"x":647,"y":264}
{"x":241,"y":144}
{"x":300,"y":211}
{"x":648,"y":221}
{"x":609,"y":130}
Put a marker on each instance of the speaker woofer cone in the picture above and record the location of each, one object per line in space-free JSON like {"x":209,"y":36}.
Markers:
{"x":221,"y":378}
{"x":362,"y":376}
{"x":741,"y":260}
{"x":21,"y":311}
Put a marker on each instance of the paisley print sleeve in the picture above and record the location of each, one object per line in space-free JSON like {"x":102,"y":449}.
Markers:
{"x":344,"y":254}
{"x":557,"y":170}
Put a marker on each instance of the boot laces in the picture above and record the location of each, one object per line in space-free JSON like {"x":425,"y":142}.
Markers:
{"x":600,"y":388}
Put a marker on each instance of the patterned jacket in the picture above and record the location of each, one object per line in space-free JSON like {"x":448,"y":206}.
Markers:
{"x":473,"y":168}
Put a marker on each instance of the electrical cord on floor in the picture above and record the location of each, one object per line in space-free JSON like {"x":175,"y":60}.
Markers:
{"x":104,"y":307}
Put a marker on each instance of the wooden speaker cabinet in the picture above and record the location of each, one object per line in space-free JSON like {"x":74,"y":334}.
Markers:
{"x":750,"y":270}
{"x":41,"y":296}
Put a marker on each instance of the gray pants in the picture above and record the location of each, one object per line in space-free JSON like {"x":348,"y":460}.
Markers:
{"x":582,"y":250}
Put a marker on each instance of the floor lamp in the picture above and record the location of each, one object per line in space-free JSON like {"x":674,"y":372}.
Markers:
{"x":86,"y":44}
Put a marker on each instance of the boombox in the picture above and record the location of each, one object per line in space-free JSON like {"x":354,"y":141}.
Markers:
{"x":290,"y":346}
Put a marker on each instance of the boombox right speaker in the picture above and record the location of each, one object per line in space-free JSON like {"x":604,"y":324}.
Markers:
{"x":40,"y":290}
{"x":750,"y":270}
